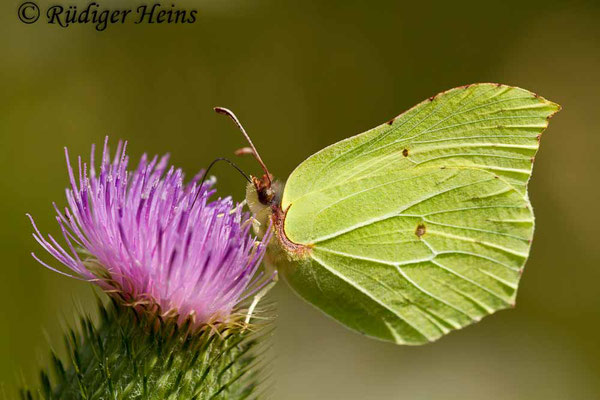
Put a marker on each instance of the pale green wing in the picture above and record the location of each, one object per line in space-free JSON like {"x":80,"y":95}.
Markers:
{"x":421,"y":225}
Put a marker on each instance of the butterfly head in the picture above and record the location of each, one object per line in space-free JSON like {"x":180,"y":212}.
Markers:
{"x":263,"y":197}
{"x":265,"y":190}
{"x":262,"y":194}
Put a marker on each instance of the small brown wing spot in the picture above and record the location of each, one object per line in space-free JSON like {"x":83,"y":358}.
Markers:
{"x":391,"y":121}
{"x":498,"y":84}
{"x":405,"y":152}
{"x":420,"y":230}
{"x":432,"y":98}
{"x":496,"y":177}
{"x":532,"y":159}
{"x":538,"y":137}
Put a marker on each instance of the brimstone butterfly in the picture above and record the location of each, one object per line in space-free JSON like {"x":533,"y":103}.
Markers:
{"x":417,"y":227}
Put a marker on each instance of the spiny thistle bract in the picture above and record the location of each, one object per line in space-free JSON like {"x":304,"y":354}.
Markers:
{"x":179,"y":269}
{"x":132,"y":355}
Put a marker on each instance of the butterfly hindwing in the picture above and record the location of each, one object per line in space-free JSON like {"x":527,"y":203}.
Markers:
{"x":421,"y":225}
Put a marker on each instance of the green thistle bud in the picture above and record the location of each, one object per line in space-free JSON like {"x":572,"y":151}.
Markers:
{"x":133,"y":354}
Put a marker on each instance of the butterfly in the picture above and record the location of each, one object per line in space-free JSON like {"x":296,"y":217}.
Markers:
{"x":417,"y":227}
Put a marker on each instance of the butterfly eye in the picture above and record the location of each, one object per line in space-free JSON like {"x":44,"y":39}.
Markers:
{"x":266,"y":194}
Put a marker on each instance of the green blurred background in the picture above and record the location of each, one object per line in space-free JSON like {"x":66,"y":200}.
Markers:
{"x":302,"y":75}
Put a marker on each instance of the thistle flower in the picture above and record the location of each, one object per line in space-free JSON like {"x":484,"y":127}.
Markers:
{"x":150,"y":240}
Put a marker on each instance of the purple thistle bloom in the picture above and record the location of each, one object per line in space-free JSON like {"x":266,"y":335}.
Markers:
{"x":141,"y":236}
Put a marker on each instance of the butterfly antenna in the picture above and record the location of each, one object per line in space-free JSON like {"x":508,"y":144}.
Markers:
{"x":205,"y":174}
{"x":253,"y":151}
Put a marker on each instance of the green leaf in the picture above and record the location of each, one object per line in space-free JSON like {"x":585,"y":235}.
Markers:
{"x":421,"y":225}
